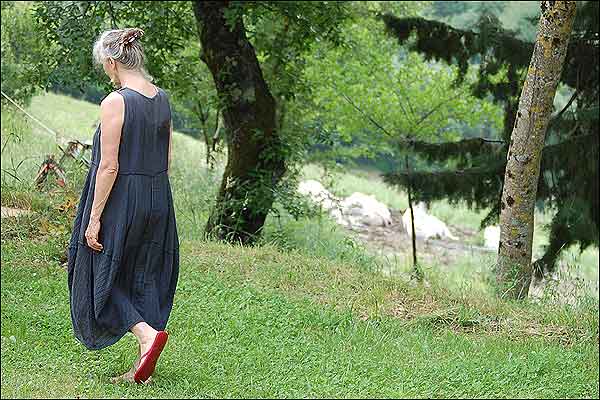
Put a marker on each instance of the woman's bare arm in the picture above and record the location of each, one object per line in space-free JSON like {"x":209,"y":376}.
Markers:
{"x":112,"y":111}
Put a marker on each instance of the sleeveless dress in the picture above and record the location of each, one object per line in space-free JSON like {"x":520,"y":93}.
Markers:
{"x":133,"y":278}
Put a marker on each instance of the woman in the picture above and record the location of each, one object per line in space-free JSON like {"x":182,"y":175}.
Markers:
{"x":124,"y":251}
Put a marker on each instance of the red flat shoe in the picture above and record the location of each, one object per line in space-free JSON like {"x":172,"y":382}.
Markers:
{"x":146,"y":368}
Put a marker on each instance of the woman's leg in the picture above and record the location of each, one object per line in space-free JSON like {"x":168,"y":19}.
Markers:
{"x":145,"y":335}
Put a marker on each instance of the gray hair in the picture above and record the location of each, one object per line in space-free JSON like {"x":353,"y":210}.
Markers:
{"x":122,"y":45}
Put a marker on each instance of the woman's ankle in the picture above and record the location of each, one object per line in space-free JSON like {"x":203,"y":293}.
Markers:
{"x":143,"y":332}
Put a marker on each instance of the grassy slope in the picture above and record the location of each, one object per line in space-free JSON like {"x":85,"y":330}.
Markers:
{"x":235,"y":334}
{"x":268,"y":322}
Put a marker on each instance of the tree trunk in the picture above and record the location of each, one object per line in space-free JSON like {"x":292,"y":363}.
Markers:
{"x":416,"y":270}
{"x":524,"y":154}
{"x":255,"y":163}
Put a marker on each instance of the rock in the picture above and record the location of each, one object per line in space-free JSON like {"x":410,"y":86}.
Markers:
{"x":362,"y":209}
{"x":317,"y":193}
{"x":356,"y":210}
{"x":491,"y":237}
{"x":426,"y":226}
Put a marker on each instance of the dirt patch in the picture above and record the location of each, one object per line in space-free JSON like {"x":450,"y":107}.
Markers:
{"x":394,"y":240}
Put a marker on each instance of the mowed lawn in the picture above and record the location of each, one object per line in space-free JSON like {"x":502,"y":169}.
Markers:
{"x":253,"y":323}
{"x":304,"y":316}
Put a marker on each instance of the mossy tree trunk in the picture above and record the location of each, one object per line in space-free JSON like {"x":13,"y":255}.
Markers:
{"x":524,"y":154}
{"x":255,"y":163}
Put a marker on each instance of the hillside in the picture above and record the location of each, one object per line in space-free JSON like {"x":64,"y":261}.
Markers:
{"x":312,"y":311}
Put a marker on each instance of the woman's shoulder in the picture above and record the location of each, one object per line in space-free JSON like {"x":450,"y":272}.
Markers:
{"x":111,"y":96}
{"x":113,"y":99}
{"x":165,"y":96}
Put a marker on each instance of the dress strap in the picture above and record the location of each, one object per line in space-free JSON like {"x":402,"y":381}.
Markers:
{"x":120,"y":90}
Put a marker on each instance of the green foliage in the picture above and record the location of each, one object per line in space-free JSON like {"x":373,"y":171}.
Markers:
{"x":72,"y":28}
{"x":23,"y":52}
{"x":465,"y":152}
{"x":283,"y":33}
{"x":372,"y":93}
{"x":500,"y":52}
{"x":498,"y":49}
{"x":514,"y":15}
{"x":476,"y":186}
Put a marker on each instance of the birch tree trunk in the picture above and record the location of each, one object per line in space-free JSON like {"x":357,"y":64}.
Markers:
{"x":513,"y":269}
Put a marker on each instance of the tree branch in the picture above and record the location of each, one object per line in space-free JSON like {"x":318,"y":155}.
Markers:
{"x":377,"y":124}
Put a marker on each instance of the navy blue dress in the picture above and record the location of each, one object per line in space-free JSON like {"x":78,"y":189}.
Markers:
{"x":133,"y":278}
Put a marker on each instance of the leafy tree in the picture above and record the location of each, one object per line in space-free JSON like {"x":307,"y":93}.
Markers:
{"x":285,"y":29}
{"x":568,"y":182}
{"x":252,"y":120}
{"x":23,"y":53}
{"x":370,"y":94}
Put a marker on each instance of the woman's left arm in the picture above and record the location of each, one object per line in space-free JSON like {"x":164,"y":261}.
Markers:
{"x":112,"y":111}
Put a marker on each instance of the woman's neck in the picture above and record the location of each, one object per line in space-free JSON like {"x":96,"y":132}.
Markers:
{"x":134,"y":80}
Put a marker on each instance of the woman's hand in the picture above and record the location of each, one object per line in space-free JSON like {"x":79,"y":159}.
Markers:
{"x":91,"y":234}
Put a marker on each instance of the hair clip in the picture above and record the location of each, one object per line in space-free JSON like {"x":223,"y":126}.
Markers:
{"x":131,"y":36}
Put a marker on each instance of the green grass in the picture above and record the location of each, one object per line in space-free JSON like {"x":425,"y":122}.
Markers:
{"x":255,"y":323}
{"x":307,"y":313}
{"x":69,"y":118}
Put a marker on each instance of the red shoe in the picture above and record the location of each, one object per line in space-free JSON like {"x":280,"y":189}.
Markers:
{"x":146,"y":367}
